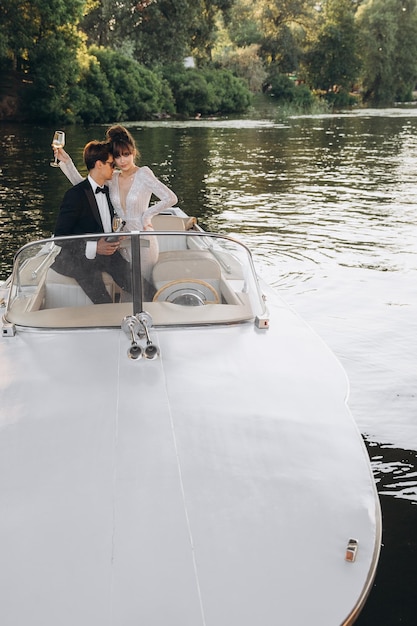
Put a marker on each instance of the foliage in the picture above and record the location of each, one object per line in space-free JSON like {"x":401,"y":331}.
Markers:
{"x":192,"y":94}
{"x":303,"y":98}
{"x":25,"y":23}
{"x":95,"y":100}
{"x":388,"y":47}
{"x":284,"y":49}
{"x":245,"y":63}
{"x":115,"y":88}
{"x":341,"y":99}
{"x":285,"y":90}
{"x":39,"y":43}
{"x":158,"y":32}
{"x":205,"y":25}
{"x":284,"y":24}
{"x":232,"y":93}
{"x":332,"y":59}
{"x":278,"y":27}
{"x":280,"y":86}
{"x":208,"y":91}
{"x":155,"y":32}
{"x":274,"y":14}
{"x":316,"y":106}
{"x":134,"y":45}
{"x":244,"y":30}
{"x":48,"y":96}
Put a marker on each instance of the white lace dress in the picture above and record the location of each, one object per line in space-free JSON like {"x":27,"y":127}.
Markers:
{"x":137,"y":212}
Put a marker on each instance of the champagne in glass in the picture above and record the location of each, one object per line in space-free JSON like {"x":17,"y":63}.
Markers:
{"x":58,"y":141}
{"x":117,"y":223}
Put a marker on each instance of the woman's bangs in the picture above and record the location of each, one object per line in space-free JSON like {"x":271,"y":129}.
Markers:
{"x":122,"y":149}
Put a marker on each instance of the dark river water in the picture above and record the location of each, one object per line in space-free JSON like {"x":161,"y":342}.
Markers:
{"x":328,"y":205}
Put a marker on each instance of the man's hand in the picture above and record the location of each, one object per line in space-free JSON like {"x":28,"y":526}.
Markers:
{"x":107,"y":248}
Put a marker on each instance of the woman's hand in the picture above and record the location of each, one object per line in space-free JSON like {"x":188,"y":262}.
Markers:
{"x":61,"y":155}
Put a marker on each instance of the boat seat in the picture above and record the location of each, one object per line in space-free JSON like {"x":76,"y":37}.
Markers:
{"x":163,"y":221}
{"x":64,"y":291}
{"x":174,"y":224}
{"x":187,"y":276}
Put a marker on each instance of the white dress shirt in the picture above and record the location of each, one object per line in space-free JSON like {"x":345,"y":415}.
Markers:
{"x":103,"y":207}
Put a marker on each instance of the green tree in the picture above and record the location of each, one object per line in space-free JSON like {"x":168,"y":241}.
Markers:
{"x":115,"y":88}
{"x":47,"y":97}
{"x":205,"y":26}
{"x":332,"y":59}
{"x":284,"y":24}
{"x":406,"y":57}
{"x":244,"y":28}
{"x":388,"y":48}
{"x":278,"y":27}
{"x":285,"y":48}
{"x":164,"y":32}
{"x":191,"y":92}
{"x":156,"y":32}
{"x":39,"y":44}
{"x":207,"y":91}
{"x":247,"y":64}
{"x":286,"y":92}
{"x":23,"y":23}
{"x":232,"y":93}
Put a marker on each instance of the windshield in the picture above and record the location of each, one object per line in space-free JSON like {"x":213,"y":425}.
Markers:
{"x":177,"y":277}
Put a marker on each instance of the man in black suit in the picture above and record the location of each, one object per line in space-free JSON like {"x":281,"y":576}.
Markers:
{"x":86,"y":208}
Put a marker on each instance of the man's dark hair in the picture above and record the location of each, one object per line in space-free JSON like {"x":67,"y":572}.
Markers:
{"x":96,"y":151}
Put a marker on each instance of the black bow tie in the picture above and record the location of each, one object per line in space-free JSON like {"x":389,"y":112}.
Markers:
{"x":102,"y":189}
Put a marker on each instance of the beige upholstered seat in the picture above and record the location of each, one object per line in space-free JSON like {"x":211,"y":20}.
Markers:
{"x":183,"y":269}
{"x":174,"y":224}
{"x":64,"y":291}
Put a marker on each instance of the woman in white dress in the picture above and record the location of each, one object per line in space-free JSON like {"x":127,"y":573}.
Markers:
{"x":131,"y":189}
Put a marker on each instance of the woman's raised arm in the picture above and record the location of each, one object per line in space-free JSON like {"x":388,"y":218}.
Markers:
{"x":67,"y":166}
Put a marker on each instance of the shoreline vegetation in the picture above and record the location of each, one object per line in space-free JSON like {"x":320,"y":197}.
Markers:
{"x":299,"y":102}
{"x":96,"y":62}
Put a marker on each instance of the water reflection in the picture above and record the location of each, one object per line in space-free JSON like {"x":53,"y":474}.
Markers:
{"x":395,"y":477}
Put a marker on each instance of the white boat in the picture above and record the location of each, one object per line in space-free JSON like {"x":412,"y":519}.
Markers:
{"x":189,"y":460}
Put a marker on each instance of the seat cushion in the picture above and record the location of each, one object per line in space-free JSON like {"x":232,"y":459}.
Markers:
{"x":63,"y":291}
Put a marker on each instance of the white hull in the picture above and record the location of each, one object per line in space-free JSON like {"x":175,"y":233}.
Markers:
{"x":217,"y":485}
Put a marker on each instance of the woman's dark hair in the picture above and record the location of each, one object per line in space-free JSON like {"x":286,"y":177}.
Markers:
{"x":96,"y":151}
{"x":122,"y":141}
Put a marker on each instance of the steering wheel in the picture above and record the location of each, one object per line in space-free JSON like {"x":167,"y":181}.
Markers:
{"x":188,"y":292}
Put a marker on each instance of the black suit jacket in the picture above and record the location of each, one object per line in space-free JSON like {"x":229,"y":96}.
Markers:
{"x":79,"y":212}
{"x":79,"y":215}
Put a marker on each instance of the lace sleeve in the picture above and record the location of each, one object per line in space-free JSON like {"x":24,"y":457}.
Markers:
{"x":71,"y":171}
{"x":167,"y":198}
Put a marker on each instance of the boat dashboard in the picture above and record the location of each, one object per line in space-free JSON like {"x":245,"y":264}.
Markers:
{"x":178,"y":275}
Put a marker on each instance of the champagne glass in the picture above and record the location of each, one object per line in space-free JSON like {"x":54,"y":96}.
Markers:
{"x":58,"y":141}
{"x":117,"y":223}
